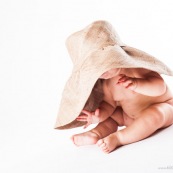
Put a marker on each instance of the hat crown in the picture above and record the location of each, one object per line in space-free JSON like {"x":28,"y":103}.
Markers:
{"x":95,"y":36}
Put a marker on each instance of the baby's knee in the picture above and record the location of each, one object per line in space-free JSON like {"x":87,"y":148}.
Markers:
{"x":109,"y":124}
{"x":117,"y":116}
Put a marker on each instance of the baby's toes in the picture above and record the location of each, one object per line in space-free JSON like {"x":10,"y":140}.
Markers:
{"x":103,"y":146}
{"x":100,"y":142}
{"x":106,"y":151}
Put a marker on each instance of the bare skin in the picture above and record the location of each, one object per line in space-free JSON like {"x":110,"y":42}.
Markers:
{"x":136,"y":98}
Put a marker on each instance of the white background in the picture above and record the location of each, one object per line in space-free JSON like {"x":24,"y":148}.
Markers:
{"x":34,"y":66}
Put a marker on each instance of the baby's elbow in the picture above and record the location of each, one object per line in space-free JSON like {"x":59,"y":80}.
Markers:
{"x":161,"y":87}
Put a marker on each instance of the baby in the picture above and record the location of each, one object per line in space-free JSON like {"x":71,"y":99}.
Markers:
{"x":134,"y":94}
{"x":133,"y":97}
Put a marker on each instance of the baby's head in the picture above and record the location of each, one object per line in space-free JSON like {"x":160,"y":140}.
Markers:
{"x":110,"y":73}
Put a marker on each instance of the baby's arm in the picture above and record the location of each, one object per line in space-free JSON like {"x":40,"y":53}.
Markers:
{"x":152,"y":84}
{"x":104,"y":111}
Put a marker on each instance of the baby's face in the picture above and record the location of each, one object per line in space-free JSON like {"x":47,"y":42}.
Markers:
{"x":111,"y":73}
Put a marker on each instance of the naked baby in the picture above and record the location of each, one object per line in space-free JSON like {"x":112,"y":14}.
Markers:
{"x":113,"y":84}
{"x":136,"y":98}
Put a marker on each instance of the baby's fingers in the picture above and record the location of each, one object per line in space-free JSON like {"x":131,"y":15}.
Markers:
{"x":97,"y":112}
{"x":127,"y":83}
{"x":86,"y":112}
{"x":82,"y":118}
{"x":132,"y":86}
{"x":86,"y":125}
{"x":122,"y":78}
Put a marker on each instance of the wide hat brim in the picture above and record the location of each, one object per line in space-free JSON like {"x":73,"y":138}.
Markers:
{"x":80,"y":85}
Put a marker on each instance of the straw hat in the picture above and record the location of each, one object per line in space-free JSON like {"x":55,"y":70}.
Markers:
{"x":95,"y":50}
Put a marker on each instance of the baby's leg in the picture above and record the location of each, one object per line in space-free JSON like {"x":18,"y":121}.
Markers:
{"x":102,"y":130}
{"x":109,"y":142}
{"x":151,"y":119}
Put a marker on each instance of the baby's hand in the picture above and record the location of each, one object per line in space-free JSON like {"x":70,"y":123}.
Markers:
{"x":128,"y":82}
{"x":90,"y":117}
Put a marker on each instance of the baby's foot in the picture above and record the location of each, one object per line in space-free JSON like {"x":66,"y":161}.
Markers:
{"x":109,"y":143}
{"x":86,"y":138}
